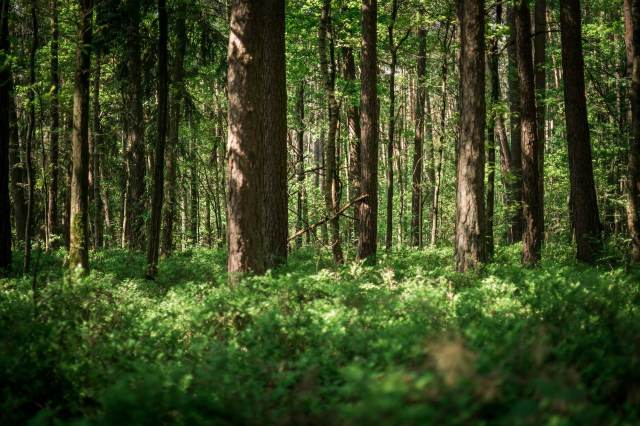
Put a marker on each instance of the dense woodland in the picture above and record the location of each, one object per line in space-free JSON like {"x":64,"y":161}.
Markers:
{"x":320,"y":211}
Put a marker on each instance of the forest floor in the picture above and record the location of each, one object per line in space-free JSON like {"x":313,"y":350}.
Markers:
{"x":407,"y":341}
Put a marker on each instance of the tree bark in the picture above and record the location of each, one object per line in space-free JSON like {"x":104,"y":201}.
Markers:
{"x":353,"y":123}
{"x":302,"y":220}
{"x":531,"y":207}
{"x":136,"y":165}
{"x":276,"y":214}
{"x":632,"y":40}
{"x":96,"y":156}
{"x":416,"y":169}
{"x":153,"y":249}
{"x":470,"y":251}
{"x":52,"y":208}
{"x":540,"y":51}
{"x":328,"y":71}
{"x":368,"y":208}
{"x":5,"y":135}
{"x":245,"y":143}
{"x":79,"y":217}
{"x":584,"y":205}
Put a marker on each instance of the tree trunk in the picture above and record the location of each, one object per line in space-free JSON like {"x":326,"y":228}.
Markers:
{"x":584,"y":205}
{"x":632,"y":39}
{"x":17,"y":170}
{"x":245,"y":143}
{"x":52,"y":208}
{"x":79,"y":233}
{"x":194,"y":207}
{"x":328,"y":71}
{"x":153,"y":249}
{"x":540,"y":49}
{"x":136,"y":165}
{"x":353,"y":124}
{"x":491,"y":133}
{"x":368,"y":208}
{"x":470,"y":242}
{"x":5,"y":135}
{"x":531,"y":207}
{"x":96,"y":155}
{"x":514,"y":210}
{"x":416,"y":169}
{"x":276,"y":214}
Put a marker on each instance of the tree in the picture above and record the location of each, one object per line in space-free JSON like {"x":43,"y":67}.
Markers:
{"x":5,"y":134}
{"x":158,"y":174}
{"x":276,"y":213}
{"x":470,"y":242}
{"x":584,"y":205}
{"x":245,"y":143}
{"x":353,"y":124}
{"x":328,"y":71}
{"x":539,"y":60}
{"x":52,"y":208}
{"x":301,"y":211}
{"x":418,"y":160}
{"x":79,"y":219}
{"x":368,"y":207}
{"x":632,"y":40}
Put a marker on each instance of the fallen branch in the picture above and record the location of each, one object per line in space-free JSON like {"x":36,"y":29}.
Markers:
{"x":327,"y":219}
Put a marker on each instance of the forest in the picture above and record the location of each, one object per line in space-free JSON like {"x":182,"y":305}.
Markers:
{"x":319,"y":212}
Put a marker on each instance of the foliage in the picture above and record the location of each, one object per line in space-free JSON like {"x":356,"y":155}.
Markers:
{"x":407,"y":341}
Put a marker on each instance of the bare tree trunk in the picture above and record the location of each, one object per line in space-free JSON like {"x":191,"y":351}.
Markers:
{"x":353,"y":123}
{"x":368,"y":208}
{"x":194,"y":207}
{"x":531,"y":207}
{"x":632,"y":39}
{"x":470,"y":242}
{"x":584,"y":205}
{"x":17,"y":171}
{"x":5,"y":135}
{"x":79,"y":219}
{"x":96,"y":155}
{"x":276,"y":214}
{"x":301,"y":221}
{"x":418,"y":160}
{"x":153,"y":250}
{"x":540,"y":51}
{"x":245,"y":162}
{"x":136,"y":165}
{"x":328,"y":70}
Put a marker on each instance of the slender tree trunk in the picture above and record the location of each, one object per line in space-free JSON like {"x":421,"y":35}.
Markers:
{"x":301,"y":221}
{"x":328,"y":71}
{"x":540,"y":51}
{"x":96,"y":155}
{"x":531,"y":207}
{"x":368,"y":208}
{"x":584,"y":205}
{"x":79,"y":219}
{"x":416,"y":169}
{"x":632,"y":39}
{"x":17,"y":170}
{"x":470,"y":242}
{"x":491,"y":133}
{"x":245,"y":144}
{"x":136,"y":165}
{"x":5,"y":135}
{"x":194,"y":208}
{"x":52,"y":209}
{"x":276,"y":214}
{"x":515,"y":225}
{"x":353,"y":124}
{"x":31,"y":138}
{"x":153,"y":249}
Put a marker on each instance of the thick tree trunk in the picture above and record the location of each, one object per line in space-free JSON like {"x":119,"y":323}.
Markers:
{"x":540,"y":51}
{"x":514,"y":209}
{"x":632,"y":39}
{"x":5,"y":135}
{"x":136,"y":165}
{"x":531,"y":207}
{"x":417,"y":166}
{"x":52,"y":208}
{"x":276,"y":214}
{"x":79,"y":218}
{"x":245,"y":143}
{"x":368,"y":208}
{"x":470,"y":251}
{"x":153,"y":250}
{"x":584,"y":205}
{"x":353,"y":124}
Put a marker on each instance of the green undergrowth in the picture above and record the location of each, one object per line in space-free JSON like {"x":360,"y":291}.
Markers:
{"x":405,"y":342}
